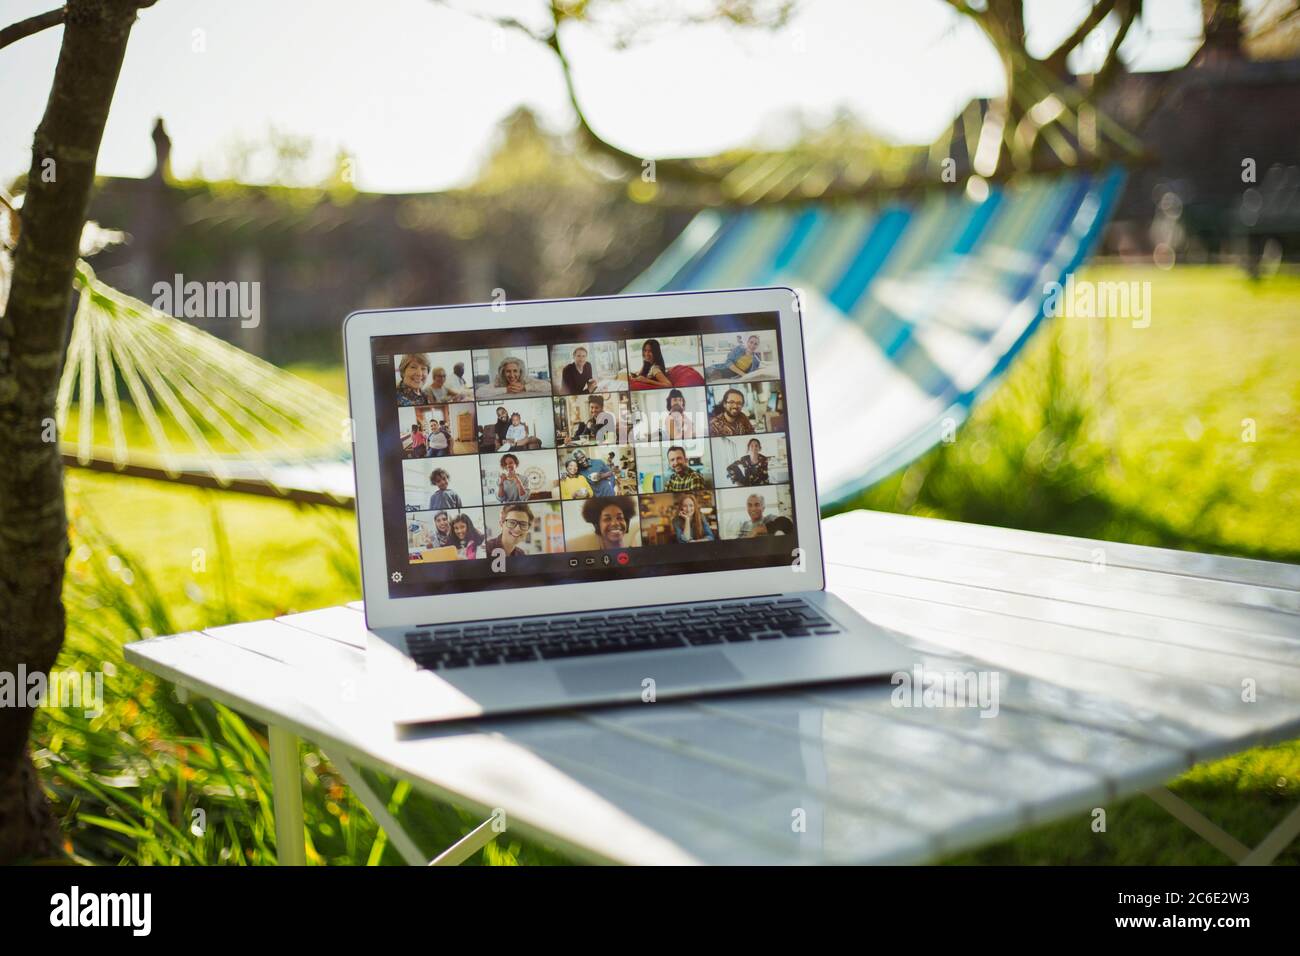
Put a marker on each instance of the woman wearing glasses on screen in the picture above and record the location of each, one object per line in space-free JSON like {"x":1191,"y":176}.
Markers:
{"x":440,"y":391}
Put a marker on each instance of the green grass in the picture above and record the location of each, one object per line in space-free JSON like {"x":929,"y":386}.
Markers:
{"x":1127,"y":434}
{"x":1099,"y":430}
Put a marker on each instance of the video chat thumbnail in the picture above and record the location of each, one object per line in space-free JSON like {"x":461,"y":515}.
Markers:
{"x":583,"y":368}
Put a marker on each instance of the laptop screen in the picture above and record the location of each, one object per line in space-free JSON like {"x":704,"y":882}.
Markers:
{"x":523,"y":457}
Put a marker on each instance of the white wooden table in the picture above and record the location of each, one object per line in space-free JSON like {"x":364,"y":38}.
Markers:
{"x":1118,"y":667}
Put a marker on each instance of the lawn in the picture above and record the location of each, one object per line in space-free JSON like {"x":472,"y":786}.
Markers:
{"x":1183,"y":434}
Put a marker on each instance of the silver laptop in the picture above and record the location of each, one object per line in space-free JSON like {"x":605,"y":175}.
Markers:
{"x":589,"y":501}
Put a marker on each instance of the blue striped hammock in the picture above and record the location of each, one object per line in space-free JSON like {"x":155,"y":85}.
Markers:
{"x":912,"y":309}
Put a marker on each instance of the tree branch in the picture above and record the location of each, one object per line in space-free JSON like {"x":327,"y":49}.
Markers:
{"x":1100,"y":11}
{"x":965,"y":9}
{"x":679,"y":170}
{"x":25,"y":28}
{"x":1110,"y":66}
{"x":671,"y":168}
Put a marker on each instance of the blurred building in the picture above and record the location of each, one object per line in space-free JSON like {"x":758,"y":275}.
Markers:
{"x":1223,"y":178}
{"x":536,"y":223}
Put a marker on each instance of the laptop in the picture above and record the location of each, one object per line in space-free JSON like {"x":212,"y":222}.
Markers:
{"x":592,"y":501}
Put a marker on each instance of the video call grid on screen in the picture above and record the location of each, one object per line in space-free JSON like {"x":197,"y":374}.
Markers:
{"x":604,"y":453}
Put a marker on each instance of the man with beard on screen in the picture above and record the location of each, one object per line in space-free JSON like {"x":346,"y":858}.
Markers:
{"x":729,"y":417}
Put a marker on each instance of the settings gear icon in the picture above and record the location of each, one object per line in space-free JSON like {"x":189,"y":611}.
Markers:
{"x":397,"y":577}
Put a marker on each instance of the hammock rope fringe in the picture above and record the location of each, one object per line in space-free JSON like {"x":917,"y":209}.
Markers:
{"x":232,"y":415}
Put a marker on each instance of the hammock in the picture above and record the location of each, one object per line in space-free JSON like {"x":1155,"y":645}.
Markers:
{"x":202,"y":412}
{"x":911,"y":309}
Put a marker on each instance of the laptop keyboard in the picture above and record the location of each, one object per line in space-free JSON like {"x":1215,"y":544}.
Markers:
{"x":487,"y":644}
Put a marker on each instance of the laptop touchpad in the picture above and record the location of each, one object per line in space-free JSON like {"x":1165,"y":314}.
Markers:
{"x":669,"y":673}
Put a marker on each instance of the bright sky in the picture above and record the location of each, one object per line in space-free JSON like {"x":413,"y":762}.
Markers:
{"x":413,"y":89}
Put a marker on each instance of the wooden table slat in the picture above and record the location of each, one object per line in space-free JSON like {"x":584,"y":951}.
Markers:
{"x":1175,"y":663}
{"x":1117,"y":583}
{"x":1217,"y":712}
{"x":761,"y":804}
{"x":850,"y":526}
{"x":1021,"y":735}
{"x":343,"y":624}
{"x":865,"y":744}
{"x":1091,"y":590}
{"x":291,"y":645}
{"x":736,"y":831}
{"x":1106,"y":622}
{"x":741,"y":750}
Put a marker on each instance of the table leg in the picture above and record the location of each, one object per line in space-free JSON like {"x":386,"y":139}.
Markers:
{"x":404,"y":845}
{"x":1188,"y":816}
{"x":1268,"y":850}
{"x":286,"y":795}
{"x":454,"y":855}
{"x":468,"y":845}
{"x":1278,"y":840}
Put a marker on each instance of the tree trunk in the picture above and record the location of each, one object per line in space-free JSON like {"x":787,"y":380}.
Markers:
{"x":33,"y":522}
